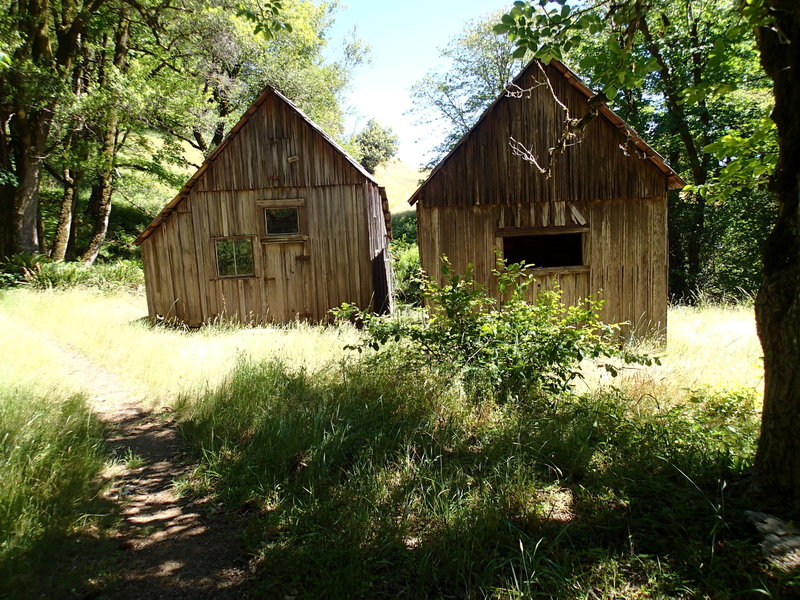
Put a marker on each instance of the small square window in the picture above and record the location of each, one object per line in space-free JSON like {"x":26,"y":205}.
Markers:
{"x":235,"y":257}
{"x":281,"y":221}
{"x":545,"y":251}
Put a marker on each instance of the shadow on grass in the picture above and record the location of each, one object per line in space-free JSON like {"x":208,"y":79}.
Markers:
{"x":373,"y":481}
{"x":75,"y":561}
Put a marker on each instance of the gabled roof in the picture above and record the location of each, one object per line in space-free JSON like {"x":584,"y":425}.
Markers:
{"x":184,"y":191}
{"x":674,"y":180}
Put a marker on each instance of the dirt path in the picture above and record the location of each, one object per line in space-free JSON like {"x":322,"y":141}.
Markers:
{"x":172,"y":548}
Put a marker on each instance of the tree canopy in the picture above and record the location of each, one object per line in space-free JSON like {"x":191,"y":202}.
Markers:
{"x":478,"y":65}
{"x":105,"y":98}
{"x":374,"y":145}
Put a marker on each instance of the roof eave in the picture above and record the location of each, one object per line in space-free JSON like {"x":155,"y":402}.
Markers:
{"x":673,"y":180}
{"x":184,"y":191}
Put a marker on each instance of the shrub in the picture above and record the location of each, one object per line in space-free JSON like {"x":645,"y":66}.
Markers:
{"x":39,"y":272}
{"x":371,"y":480}
{"x":512,"y":346}
{"x":407,"y":274}
{"x":404,"y":227}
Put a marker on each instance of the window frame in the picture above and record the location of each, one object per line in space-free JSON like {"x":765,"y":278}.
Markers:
{"x":225,"y":238}
{"x":299,"y":204}
{"x":583,"y":230}
{"x":265,"y":212}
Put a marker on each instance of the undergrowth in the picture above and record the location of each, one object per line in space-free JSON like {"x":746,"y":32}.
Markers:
{"x":51,"y":455}
{"x":452,"y":458}
{"x":370,"y":480}
{"x":41,"y":273}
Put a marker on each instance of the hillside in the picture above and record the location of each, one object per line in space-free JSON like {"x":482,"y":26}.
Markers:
{"x":400,"y":180}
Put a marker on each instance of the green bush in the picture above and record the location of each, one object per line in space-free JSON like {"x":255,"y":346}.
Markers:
{"x":512,"y":346}
{"x":404,"y":227}
{"x":407,"y":274}
{"x":51,"y":453}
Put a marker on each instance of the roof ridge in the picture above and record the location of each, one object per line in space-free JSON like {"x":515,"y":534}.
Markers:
{"x":674,"y":180}
{"x":226,"y":141}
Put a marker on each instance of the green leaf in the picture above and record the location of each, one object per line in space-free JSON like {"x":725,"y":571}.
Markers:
{"x":520,"y":52}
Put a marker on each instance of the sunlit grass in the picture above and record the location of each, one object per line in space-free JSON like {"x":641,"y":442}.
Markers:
{"x":154,"y":362}
{"x":713,"y":347}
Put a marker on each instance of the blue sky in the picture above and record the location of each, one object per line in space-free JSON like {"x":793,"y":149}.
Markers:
{"x":405,"y":37}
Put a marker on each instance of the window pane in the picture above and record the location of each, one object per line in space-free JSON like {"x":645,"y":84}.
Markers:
{"x":226,"y":264}
{"x":244,"y":256}
{"x":559,"y":250}
{"x":281,"y":221}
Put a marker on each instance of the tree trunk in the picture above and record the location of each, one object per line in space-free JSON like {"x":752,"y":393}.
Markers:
{"x":30,"y":138}
{"x":777,"y":468}
{"x":7,"y":190}
{"x":100,"y":201}
{"x":66,"y":215}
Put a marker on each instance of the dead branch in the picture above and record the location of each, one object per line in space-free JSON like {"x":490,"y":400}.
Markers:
{"x":571,"y":127}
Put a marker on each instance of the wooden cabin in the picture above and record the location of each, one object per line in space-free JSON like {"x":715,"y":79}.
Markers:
{"x":595,"y":224}
{"x":277,"y":224}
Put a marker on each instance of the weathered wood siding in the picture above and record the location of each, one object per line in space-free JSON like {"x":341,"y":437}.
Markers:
{"x":332,"y":260}
{"x":483,"y":169}
{"x":624,"y":246}
{"x":602,"y":186}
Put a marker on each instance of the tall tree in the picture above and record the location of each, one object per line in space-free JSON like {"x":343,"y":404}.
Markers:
{"x":549,"y":30}
{"x":90,"y":90}
{"x":478,"y":65}
{"x":374,"y":145}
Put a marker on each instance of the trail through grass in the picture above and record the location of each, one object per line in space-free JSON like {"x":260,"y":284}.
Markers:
{"x":365,"y":479}
{"x":156,"y":362}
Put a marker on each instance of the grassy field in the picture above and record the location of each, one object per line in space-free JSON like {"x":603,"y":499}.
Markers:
{"x":154,"y":362}
{"x":365,"y":478}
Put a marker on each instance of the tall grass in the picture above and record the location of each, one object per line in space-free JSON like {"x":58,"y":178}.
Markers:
{"x":154,"y":362}
{"x":709,"y":347}
{"x":51,"y":453}
{"x":367,"y":480}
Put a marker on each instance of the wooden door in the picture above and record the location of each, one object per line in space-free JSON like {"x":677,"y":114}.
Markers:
{"x":287,"y":275}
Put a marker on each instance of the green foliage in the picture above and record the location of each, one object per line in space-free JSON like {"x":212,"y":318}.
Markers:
{"x":407,"y":273}
{"x":512,"y":346}
{"x":407,"y":269}
{"x":39,"y":272}
{"x":748,"y":158}
{"x":374,"y":145}
{"x":404,"y":227}
{"x":367,"y":479}
{"x":51,"y":453}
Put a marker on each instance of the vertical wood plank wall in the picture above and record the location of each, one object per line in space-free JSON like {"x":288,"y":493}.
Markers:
{"x":343,"y":229}
{"x":625,"y":249}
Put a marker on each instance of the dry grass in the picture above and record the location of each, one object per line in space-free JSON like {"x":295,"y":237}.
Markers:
{"x":156,"y":362}
{"x":400,"y":181}
{"x":708,"y":347}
